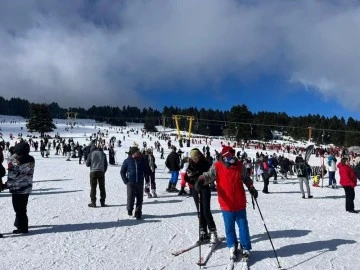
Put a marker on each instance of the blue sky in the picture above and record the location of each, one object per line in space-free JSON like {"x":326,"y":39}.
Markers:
{"x":264,"y":94}
{"x":297,"y":57}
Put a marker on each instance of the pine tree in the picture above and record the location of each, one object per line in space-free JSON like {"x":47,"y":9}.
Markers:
{"x":150,"y":121}
{"x":40,"y":119}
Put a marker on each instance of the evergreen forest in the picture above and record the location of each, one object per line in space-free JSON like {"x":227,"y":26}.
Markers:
{"x":238,"y":122}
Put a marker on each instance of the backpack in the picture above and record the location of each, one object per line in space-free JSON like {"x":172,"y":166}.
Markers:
{"x":2,"y":171}
{"x":303,"y":169}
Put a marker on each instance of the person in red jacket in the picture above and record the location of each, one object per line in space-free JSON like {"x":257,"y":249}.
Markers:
{"x":230,"y":175}
{"x":348,"y":181}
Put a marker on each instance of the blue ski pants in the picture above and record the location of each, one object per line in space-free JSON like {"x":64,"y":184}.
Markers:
{"x":238,"y":217}
{"x":174,"y":177}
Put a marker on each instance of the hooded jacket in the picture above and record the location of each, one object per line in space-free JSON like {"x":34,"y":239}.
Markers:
{"x":21,"y":170}
{"x":347,"y":176}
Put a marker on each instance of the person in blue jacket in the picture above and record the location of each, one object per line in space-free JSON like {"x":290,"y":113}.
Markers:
{"x":132,"y":173}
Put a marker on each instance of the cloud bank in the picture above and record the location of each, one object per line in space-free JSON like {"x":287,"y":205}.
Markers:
{"x":107,"y":52}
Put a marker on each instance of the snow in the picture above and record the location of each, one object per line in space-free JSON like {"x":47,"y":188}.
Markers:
{"x":66,"y":234}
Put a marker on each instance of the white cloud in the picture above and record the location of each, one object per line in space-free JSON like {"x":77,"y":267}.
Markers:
{"x":104,"y":52}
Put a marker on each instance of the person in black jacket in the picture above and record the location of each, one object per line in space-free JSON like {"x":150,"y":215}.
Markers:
{"x":201,"y":194}
{"x":132,"y":173}
{"x":150,"y":174}
{"x":173,"y":164}
{"x":357,"y":167}
{"x":111,"y":156}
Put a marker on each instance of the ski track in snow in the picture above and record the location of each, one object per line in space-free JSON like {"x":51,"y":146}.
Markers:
{"x":315,"y":234}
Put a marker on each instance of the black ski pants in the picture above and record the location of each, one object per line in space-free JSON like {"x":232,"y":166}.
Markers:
{"x":265,"y":177}
{"x":20,"y":202}
{"x":135,"y":191}
{"x":206,"y":219}
{"x":95,"y":178}
{"x":349,"y":198}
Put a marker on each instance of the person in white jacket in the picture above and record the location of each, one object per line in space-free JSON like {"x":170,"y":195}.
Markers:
{"x":332,"y":169}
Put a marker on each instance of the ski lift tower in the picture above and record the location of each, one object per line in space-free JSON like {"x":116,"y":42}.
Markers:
{"x":190,"y":119}
{"x":70,"y":116}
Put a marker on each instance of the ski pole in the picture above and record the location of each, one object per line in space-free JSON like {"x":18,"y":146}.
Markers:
{"x":199,"y":216}
{"x":277,"y":259}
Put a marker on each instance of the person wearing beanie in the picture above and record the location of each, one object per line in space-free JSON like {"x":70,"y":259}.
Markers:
{"x":348,"y":181}
{"x":201,"y":194}
{"x":173,"y":164}
{"x":19,"y":182}
{"x":230,"y":175}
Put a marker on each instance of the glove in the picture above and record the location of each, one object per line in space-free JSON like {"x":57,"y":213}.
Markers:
{"x":253,"y":192}
{"x":199,"y":185}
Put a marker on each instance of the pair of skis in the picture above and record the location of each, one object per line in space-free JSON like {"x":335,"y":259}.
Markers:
{"x":238,"y":263}
{"x":204,"y":259}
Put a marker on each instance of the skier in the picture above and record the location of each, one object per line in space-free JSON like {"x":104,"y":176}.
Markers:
{"x":197,"y":165}
{"x":230,"y":175}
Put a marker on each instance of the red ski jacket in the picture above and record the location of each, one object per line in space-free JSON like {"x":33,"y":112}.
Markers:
{"x":347,"y":176}
{"x":230,"y":187}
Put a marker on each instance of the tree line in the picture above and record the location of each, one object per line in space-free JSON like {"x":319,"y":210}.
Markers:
{"x":238,"y":122}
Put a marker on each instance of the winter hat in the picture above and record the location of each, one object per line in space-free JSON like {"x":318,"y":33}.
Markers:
{"x":357,"y":160}
{"x":195,"y":153}
{"x":133,"y":150}
{"x":227,"y":151}
{"x":22,"y":148}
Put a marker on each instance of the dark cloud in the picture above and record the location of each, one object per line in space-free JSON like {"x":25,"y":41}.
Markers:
{"x":80,"y":53}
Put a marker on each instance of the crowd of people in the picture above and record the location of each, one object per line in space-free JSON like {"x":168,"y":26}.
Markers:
{"x":227,"y":172}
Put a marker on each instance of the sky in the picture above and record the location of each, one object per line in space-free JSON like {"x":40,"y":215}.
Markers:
{"x":297,"y":57}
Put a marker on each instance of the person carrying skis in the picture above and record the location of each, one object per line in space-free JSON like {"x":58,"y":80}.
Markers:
{"x":230,"y":176}
{"x":201,"y":194}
